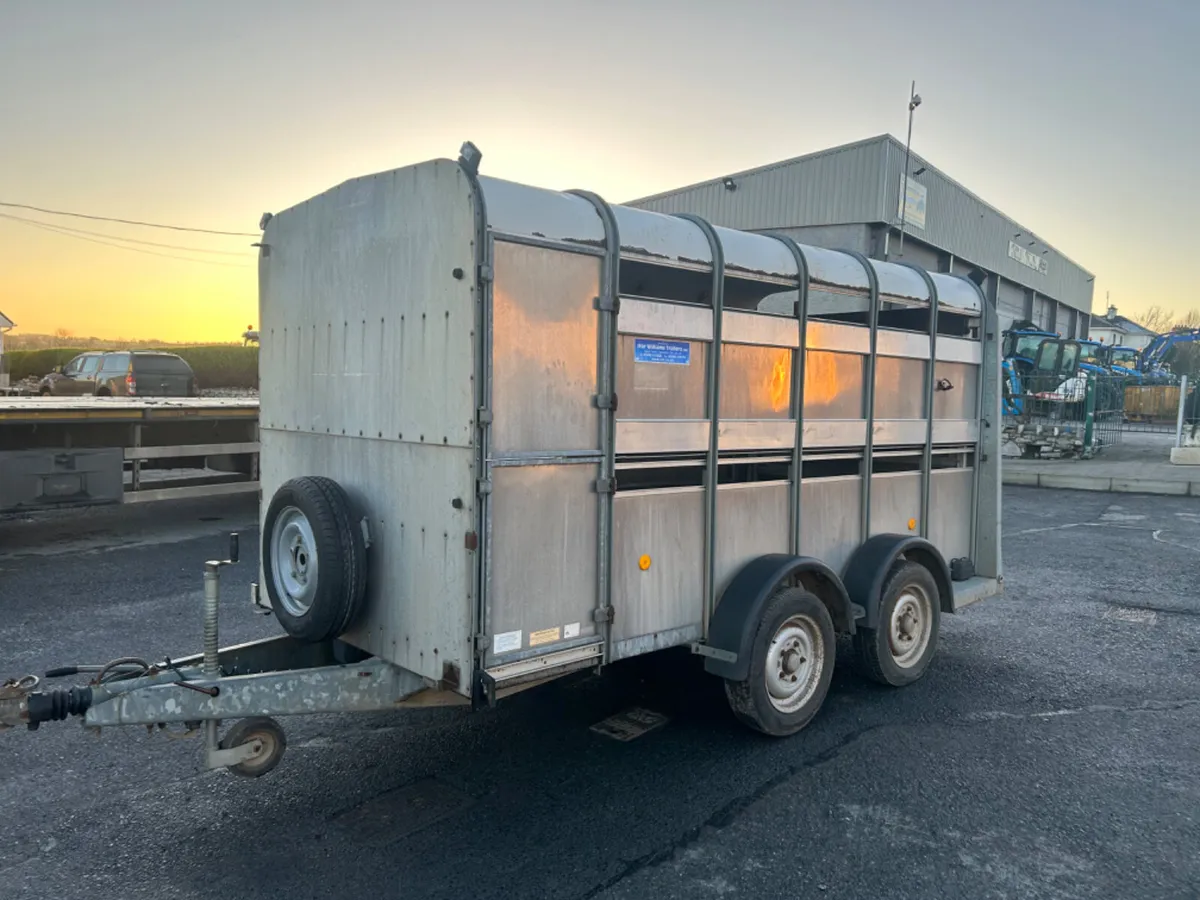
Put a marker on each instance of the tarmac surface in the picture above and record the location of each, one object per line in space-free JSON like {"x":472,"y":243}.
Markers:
{"x":1050,"y":752}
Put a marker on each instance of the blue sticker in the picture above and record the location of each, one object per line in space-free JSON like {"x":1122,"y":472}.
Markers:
{"x":666,"y":353}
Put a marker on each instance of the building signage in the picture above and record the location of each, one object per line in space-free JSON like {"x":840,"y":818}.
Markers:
{"x":915,"y":199}
{"x":1028,"y":258}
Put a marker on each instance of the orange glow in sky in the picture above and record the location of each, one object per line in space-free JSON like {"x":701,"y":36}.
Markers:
{"x":209,"y":114}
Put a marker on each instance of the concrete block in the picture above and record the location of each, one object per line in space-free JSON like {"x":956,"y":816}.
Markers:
{"x":1011,"y":476}
{"x":1149,"y":486}
{"x":1185,"y":456}
{"x":1077,"y":482}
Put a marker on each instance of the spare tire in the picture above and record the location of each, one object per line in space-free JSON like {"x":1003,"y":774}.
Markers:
{"x":314,"y":559}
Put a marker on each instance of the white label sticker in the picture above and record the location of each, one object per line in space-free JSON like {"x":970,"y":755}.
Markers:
{"x":570,"y":631}
{"x":506,"y":642}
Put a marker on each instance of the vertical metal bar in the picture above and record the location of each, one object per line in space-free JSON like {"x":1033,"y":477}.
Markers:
{"x":137,"y":463}
{"x":907,"y":154}
{"x":869,"y":446}
{"x":1183,"y":381}
{"x":482,"y":288}
{"x":212,"y":608}
{"x":485,"y":439}
{"x":798,"y":388}
{"x":1089,"y":421}
{"x":930,"y":380}
{"x":609,"y":305}
{"x":989,"y":336}
{"x":714,"y":415}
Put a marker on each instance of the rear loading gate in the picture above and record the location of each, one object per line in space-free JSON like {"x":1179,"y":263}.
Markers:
{"x":630,"y":471}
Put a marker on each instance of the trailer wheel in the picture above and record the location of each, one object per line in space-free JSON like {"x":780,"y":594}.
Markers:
{"x":791,"y":665}
{"x":899,"y":650}
{"x":271,"y":743}
{"x":314,"y":559}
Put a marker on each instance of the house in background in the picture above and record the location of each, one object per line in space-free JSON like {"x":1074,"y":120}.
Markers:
{"x":6,"y":324}
{"x":1117,"y":330}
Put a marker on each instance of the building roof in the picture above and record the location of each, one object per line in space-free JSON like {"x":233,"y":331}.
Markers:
{"x":6,"y":322}
{"x":860,"y":183}
{"x":1120,"y":323}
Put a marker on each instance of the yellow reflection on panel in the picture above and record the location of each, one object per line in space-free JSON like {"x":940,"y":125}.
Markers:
{"x":821,"y":382}
{"x":780,"y":381}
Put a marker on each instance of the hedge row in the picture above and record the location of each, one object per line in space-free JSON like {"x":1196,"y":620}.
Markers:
{"x":216,"y":366}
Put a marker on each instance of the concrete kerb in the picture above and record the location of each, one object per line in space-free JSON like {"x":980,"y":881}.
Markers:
{"x":1102,"y":483}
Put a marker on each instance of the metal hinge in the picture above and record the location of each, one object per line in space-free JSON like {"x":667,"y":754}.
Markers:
{"x":481,"y":643}
{"x":605,"y":401}
{"x":604,"y":615}
{"x":483,"y":487}
{"x":607,"y":304}
{"x":484,"y":416}
{"x":485,"y":273}
{"x":606,"y":485}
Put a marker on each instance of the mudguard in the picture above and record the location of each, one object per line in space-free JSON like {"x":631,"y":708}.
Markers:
{"x":870,"y":564}
{"x":736,"y":617}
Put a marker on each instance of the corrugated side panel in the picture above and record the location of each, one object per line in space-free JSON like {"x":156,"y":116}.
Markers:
{"x":366,"y":366}
{"x":826,"y":188}
{"x":963,"y":224}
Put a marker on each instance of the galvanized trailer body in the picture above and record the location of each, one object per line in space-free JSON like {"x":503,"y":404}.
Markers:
{"x":530,"y":419}
{"x":508,"y":433}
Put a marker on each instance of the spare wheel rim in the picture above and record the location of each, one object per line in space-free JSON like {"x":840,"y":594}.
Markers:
{"x":294,"y":561}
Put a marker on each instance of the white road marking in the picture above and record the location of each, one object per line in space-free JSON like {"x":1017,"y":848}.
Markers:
{"x":1158,"y":536}
{"x":1148,"y":706}
{"x":1131,"y":614}
{"x":1072,"y":525}
{"x":1121,"y":517}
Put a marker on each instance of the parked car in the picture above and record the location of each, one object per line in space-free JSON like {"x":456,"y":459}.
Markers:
{"x":142,"y":373}
{"x":77,"y":377}
{"x":124,"y":373}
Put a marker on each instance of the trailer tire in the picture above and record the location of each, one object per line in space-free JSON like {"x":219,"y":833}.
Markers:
{"x":314,"y":559}
{"x":271,"y":743}
{"x":898,"y":651}
{"x":791,"y":665}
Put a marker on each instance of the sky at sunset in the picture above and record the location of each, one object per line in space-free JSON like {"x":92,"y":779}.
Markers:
{"x":1078,"y":118}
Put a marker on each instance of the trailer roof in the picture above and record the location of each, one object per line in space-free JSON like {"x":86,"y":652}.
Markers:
{"x":539,"y":214}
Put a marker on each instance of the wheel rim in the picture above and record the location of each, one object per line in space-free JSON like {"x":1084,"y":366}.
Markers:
{"x":795,"y":660}
{"x":294,"y":561}
{"x":264,"y":748}
{"x":910,"y":627}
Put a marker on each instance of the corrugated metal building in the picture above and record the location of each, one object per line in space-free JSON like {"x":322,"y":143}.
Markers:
{"x":848,"y":198}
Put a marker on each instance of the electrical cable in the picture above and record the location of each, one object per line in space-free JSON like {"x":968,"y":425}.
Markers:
{"x":117,"y":237}
{"x":57,"y":229}
{"x":59,"y":212}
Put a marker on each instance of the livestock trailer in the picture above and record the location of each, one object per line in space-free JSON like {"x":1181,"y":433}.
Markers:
{"x":509,"y":433}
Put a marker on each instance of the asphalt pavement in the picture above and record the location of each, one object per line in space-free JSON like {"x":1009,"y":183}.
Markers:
{"x":1051,"y":751}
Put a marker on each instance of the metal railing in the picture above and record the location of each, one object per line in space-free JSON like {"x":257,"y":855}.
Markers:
{"x":1074,"y":417}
